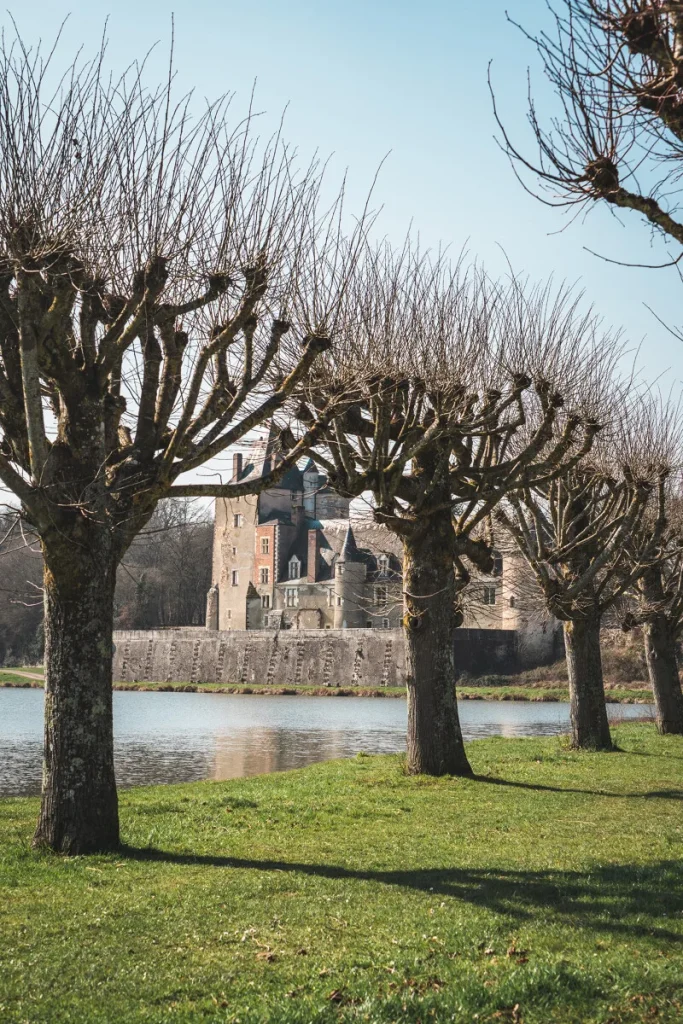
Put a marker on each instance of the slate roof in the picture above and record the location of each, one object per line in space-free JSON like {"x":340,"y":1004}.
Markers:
{"x":338,"y":543}
{"x":260,"y":463}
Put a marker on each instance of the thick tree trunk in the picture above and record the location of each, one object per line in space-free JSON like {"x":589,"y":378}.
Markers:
{"x":662,"y":667}
{"x":79,"y":812}
{"x":435,"y":743}
{"x":590,"y":728}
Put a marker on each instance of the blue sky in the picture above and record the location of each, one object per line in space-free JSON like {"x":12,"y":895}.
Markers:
{"x":363,"y":80}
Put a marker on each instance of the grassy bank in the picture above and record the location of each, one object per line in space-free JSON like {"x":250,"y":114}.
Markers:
{"x":500,"y":688}
{"x":548,"y":890}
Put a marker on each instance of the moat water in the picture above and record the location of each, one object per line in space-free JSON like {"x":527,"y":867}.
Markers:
{"x":182,"y":737}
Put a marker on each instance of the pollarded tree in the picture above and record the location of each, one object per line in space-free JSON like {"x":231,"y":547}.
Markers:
{"x":165,"y":283}
{"x":582,"y":535}
{"x":442,"y":370}
{"x":658,"y":599}
{"x":616,"y":67}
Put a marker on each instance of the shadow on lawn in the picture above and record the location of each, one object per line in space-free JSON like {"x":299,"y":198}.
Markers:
{"x":660,"y":794}
{"x":604,"y":898}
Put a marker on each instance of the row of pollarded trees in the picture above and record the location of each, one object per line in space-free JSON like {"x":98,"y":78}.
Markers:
{"x":168,"y":284}
{"x":614,"y":140}
{"x":472,"y":407}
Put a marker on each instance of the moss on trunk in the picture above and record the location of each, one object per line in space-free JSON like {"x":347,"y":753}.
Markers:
{"x":662,"y":666}
{"x":435,"y":743}
{"x":79,"y":811}
{"x":588,"y":711}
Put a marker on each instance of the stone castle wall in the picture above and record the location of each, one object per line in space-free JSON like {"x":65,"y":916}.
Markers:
{"x":343,"y":657}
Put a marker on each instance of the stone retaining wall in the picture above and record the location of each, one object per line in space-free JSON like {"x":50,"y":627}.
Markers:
{"x":344,"y":657}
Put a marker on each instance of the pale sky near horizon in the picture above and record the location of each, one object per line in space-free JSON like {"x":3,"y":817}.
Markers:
{"x":363,"y":80}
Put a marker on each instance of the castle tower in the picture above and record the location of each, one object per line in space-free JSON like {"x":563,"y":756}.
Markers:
{"x":311,"y":485}
{"x":349,"y":586}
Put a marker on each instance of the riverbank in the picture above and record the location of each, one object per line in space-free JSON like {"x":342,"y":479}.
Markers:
{"x":632,"y":693}
{"x":549,"y":888}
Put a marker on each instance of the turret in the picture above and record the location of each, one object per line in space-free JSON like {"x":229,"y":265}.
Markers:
{"x":311,"y":484}
{"x":349,"y":585}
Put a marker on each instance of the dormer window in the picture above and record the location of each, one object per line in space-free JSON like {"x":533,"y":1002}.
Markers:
{"x":383,"y":564}
{"x":294,"y":568}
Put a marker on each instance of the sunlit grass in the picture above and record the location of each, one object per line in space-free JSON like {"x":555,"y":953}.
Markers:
{"x":549,"y":889}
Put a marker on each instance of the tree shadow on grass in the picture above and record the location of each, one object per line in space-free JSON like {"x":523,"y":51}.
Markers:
{"x":625,"y":899}
{"x":659,"y":794}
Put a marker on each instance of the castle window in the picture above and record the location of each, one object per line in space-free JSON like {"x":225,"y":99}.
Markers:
{"x":235,"y":578}
{"x":229,"y":614}
{"x":497,"y":569}
{"x":237,"y":520}
{"x":291,"y":597}
{"x":512,"y":602}
{"x":383,"y":563}
{"x":489,"y":595}
{"x":385,"y":623}
{"x":339,"y":602}
{"x":265,"y":601}
{"x":381,"y":596}
{"x":294,"y":568}
{"x":264,"y":575}
{"x":340,"y":570}
{"x":234,"y":552}
{"x":265,"y":545}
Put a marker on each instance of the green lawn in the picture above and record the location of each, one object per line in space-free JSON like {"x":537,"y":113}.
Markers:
{"x":548,"y":890}
{"x":501,"y":688}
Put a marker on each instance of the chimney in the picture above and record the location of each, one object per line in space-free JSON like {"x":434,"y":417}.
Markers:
{"x":313,"y":552}
{"x":237,"y":465}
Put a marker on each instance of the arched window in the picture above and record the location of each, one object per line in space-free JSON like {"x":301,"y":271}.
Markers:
{"x":383,"y":563}
{"x":294,"y":568}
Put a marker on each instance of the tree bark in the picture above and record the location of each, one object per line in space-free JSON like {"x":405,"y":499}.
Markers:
{"x":435,"y":743}
{"x":588,"y":711}
{"x":662,"y":667}
{"x":79,"y":812}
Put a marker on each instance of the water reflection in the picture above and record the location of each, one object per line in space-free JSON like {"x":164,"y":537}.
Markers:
{"x":181,"y":737}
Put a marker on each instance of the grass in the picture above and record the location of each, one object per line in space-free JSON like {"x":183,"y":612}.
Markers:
{"x":525,"y":687}
{"x":548,"y":890}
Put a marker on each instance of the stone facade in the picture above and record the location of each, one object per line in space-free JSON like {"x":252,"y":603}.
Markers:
{"x":291,"y":558}
{"x":335,"y":658}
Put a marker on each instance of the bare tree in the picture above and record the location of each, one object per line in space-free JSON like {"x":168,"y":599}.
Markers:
{"x":582,"y":535}
{"x":165,"y":283}
{"x":658,"y":608}
{"x":443,"y":370}
{"x":616,"y":66}
{"x":166,"y":572}
{"x":21,"y":593}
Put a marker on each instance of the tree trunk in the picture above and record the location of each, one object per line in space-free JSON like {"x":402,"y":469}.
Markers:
{"x":79,"y":812}
{"x":662,"y":667}
{"x":435,"y":743}
{"x":590,"y":728}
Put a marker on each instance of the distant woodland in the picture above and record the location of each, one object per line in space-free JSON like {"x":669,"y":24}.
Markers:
{"x":162,"y":581}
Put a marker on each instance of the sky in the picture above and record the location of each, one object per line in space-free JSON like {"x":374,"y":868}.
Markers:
{"x":405,"y":81}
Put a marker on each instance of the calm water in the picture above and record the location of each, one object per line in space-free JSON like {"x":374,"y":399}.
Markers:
{"x":179,"y":737}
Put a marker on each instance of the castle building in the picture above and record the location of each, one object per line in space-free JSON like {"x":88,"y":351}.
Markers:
{"x":290,"y":557}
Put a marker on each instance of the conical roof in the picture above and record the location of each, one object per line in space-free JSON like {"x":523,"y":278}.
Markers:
{"x":349,"y":551}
